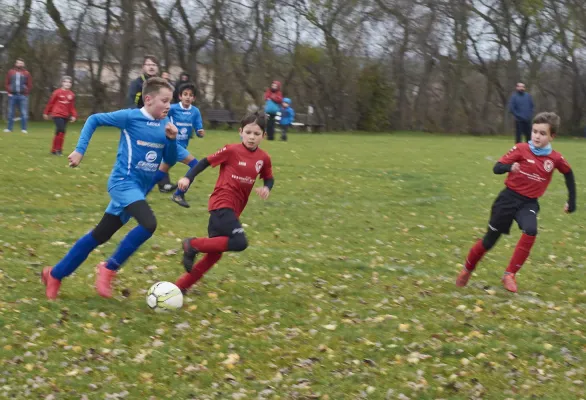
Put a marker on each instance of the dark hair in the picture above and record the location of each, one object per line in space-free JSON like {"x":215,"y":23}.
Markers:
{"x":258,"y":118}
{"x":187,"y":86}
{"x":150,"y":57}
{"x":550,"y":118}
{"x":20,"y":59}
{"x":153,"y":85}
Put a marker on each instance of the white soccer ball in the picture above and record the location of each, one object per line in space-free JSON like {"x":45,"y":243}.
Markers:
{"x":164,"y":296}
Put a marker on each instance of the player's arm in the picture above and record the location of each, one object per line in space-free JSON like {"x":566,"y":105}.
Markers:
{"x":509,"y":162}
{"x":189,"y":177}
{"x":268,"y":180}
{"x":117,"y":119}
{"x":564,"y":167}
{"x":170,"y":150}
{"x":72,"y":110}
{"x":49,"y":106}
{"x":197,"y":124}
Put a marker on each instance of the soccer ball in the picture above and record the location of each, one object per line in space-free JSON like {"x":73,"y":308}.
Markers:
{"x":164,"y":296}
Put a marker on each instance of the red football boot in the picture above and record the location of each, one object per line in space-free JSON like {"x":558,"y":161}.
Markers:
{"x":104,"y":278}
{"x":52,"y":284}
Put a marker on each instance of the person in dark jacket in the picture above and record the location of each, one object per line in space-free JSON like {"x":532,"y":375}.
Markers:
{"x":183,"y":78}
{"x":521,"y":106}
{"x":19,"y":84}
{"x":150,"y":68}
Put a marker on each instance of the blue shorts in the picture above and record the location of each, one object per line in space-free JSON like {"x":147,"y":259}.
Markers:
{"x":182,"y":153}
{"x":122,"y":195}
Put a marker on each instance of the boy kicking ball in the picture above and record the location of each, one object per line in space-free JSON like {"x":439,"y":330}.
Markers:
{"x":530,"y":168}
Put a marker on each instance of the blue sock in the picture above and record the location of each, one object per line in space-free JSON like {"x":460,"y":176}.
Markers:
{"x":128,"y":246}
{"x":158,"y":176}
{"x":191,"y":164}
{"x":76,"y":255}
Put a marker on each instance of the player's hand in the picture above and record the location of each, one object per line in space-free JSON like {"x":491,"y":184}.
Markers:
{"x":516,"y":167}
{"x":201,"y":133}
{"x":569,"y":209}
{"x":183,"y":184}
{"x":263,"y":192}
{"x":74,"y":159}
{"x":45,"y":117}
{"x":72,"y":119}
{"x":171,"y":131}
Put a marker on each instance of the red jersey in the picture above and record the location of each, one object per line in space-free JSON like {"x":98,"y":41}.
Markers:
{"x":238,"y":172}
{"x":61,"y":104}
{"x":536,"y":171}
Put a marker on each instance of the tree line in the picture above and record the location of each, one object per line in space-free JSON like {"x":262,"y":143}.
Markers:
{"x":376,"y":65}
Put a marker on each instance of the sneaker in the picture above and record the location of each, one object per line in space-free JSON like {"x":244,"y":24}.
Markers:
{"x":24,"y":131}
{"x":7,"y":131}
{"x":463,"y":277}
{"x":184,"y":282}
{"x":510,"y":283}
{"x":54,"y":153}
{"x":180,"y":200}
{"x":104,"y":278}
{"x":58,"y":153}
{"x":52,"y":284}
{"x":167,"y":188}
{"x":189,"y":254}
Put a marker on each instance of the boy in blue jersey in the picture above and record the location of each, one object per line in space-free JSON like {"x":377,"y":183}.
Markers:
{"x":146,"y":136}
{"x":187,"y":118}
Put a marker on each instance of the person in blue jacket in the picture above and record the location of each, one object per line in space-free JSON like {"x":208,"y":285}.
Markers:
{"x":521,"y":106}
{"x":287,"y":117}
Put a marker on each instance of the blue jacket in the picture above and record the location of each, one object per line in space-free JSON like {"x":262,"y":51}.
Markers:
{"x":521,"y":106}
{"x":287,"y":113}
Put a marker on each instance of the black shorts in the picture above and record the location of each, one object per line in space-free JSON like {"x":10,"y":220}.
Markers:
{"x":223,"y":222}
{"x":60,"y":124}
{"x":511,"y":206}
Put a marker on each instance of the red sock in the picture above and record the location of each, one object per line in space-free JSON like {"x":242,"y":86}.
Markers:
{"x":199,"y":269}
{"x":475,"y":254}
{"x":61,"y":140}
{"x":521,"y":253}
{"x":211,"y":245}
{"x":55,"y":145}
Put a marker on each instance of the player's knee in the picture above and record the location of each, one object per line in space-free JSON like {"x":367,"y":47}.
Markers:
{"x":101,"y":236}
{"x":530,"y":230}
{"x":150,"y":224}
{"x":490,"y":239}
{"x":238,"y":242}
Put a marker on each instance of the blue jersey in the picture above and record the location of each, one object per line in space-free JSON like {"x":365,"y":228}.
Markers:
{"x":186,"y":120}
{"x":142,"y":146}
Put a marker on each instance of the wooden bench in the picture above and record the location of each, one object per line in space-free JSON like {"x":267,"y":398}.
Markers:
{"x":216,"y":117}
{"x":307,"y":122}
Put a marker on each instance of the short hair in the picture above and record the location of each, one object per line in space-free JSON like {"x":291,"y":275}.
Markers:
{"x":150,"y":57}
{"x":187,"y":86}
{"x":550,"y":118}
{"x":67,"y":78}
{"x":258,"y":118}
{"x":153,"y":85}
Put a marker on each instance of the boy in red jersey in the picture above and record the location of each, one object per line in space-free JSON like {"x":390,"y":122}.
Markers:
{"x":240,"y":165}
{"x":530,"y":167}
{"x":61,"y":107}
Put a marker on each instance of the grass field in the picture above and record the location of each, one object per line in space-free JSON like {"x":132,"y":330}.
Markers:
{"x":346,"y":291}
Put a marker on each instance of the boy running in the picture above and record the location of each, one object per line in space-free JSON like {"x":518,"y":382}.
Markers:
{"x":146,"y":136}
{"x":530,"y":168}
{"x":240,"y":164}
{"x":61,"y":107}
{"x":187,"y":118}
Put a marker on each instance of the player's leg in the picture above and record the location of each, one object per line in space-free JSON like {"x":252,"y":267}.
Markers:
{"x":284,"y":129}
{"x":164,"y":182}
{"x":108,"y":225}
{"x":222,"y":226}
{"x":501,"y":218}
{"x":147,"y":224}
{"x":63,"y":126}
{"x":59,"y":135}
{"x":189,"y":160}
{"x":526,"y":217}
{"x":55,"y":144}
